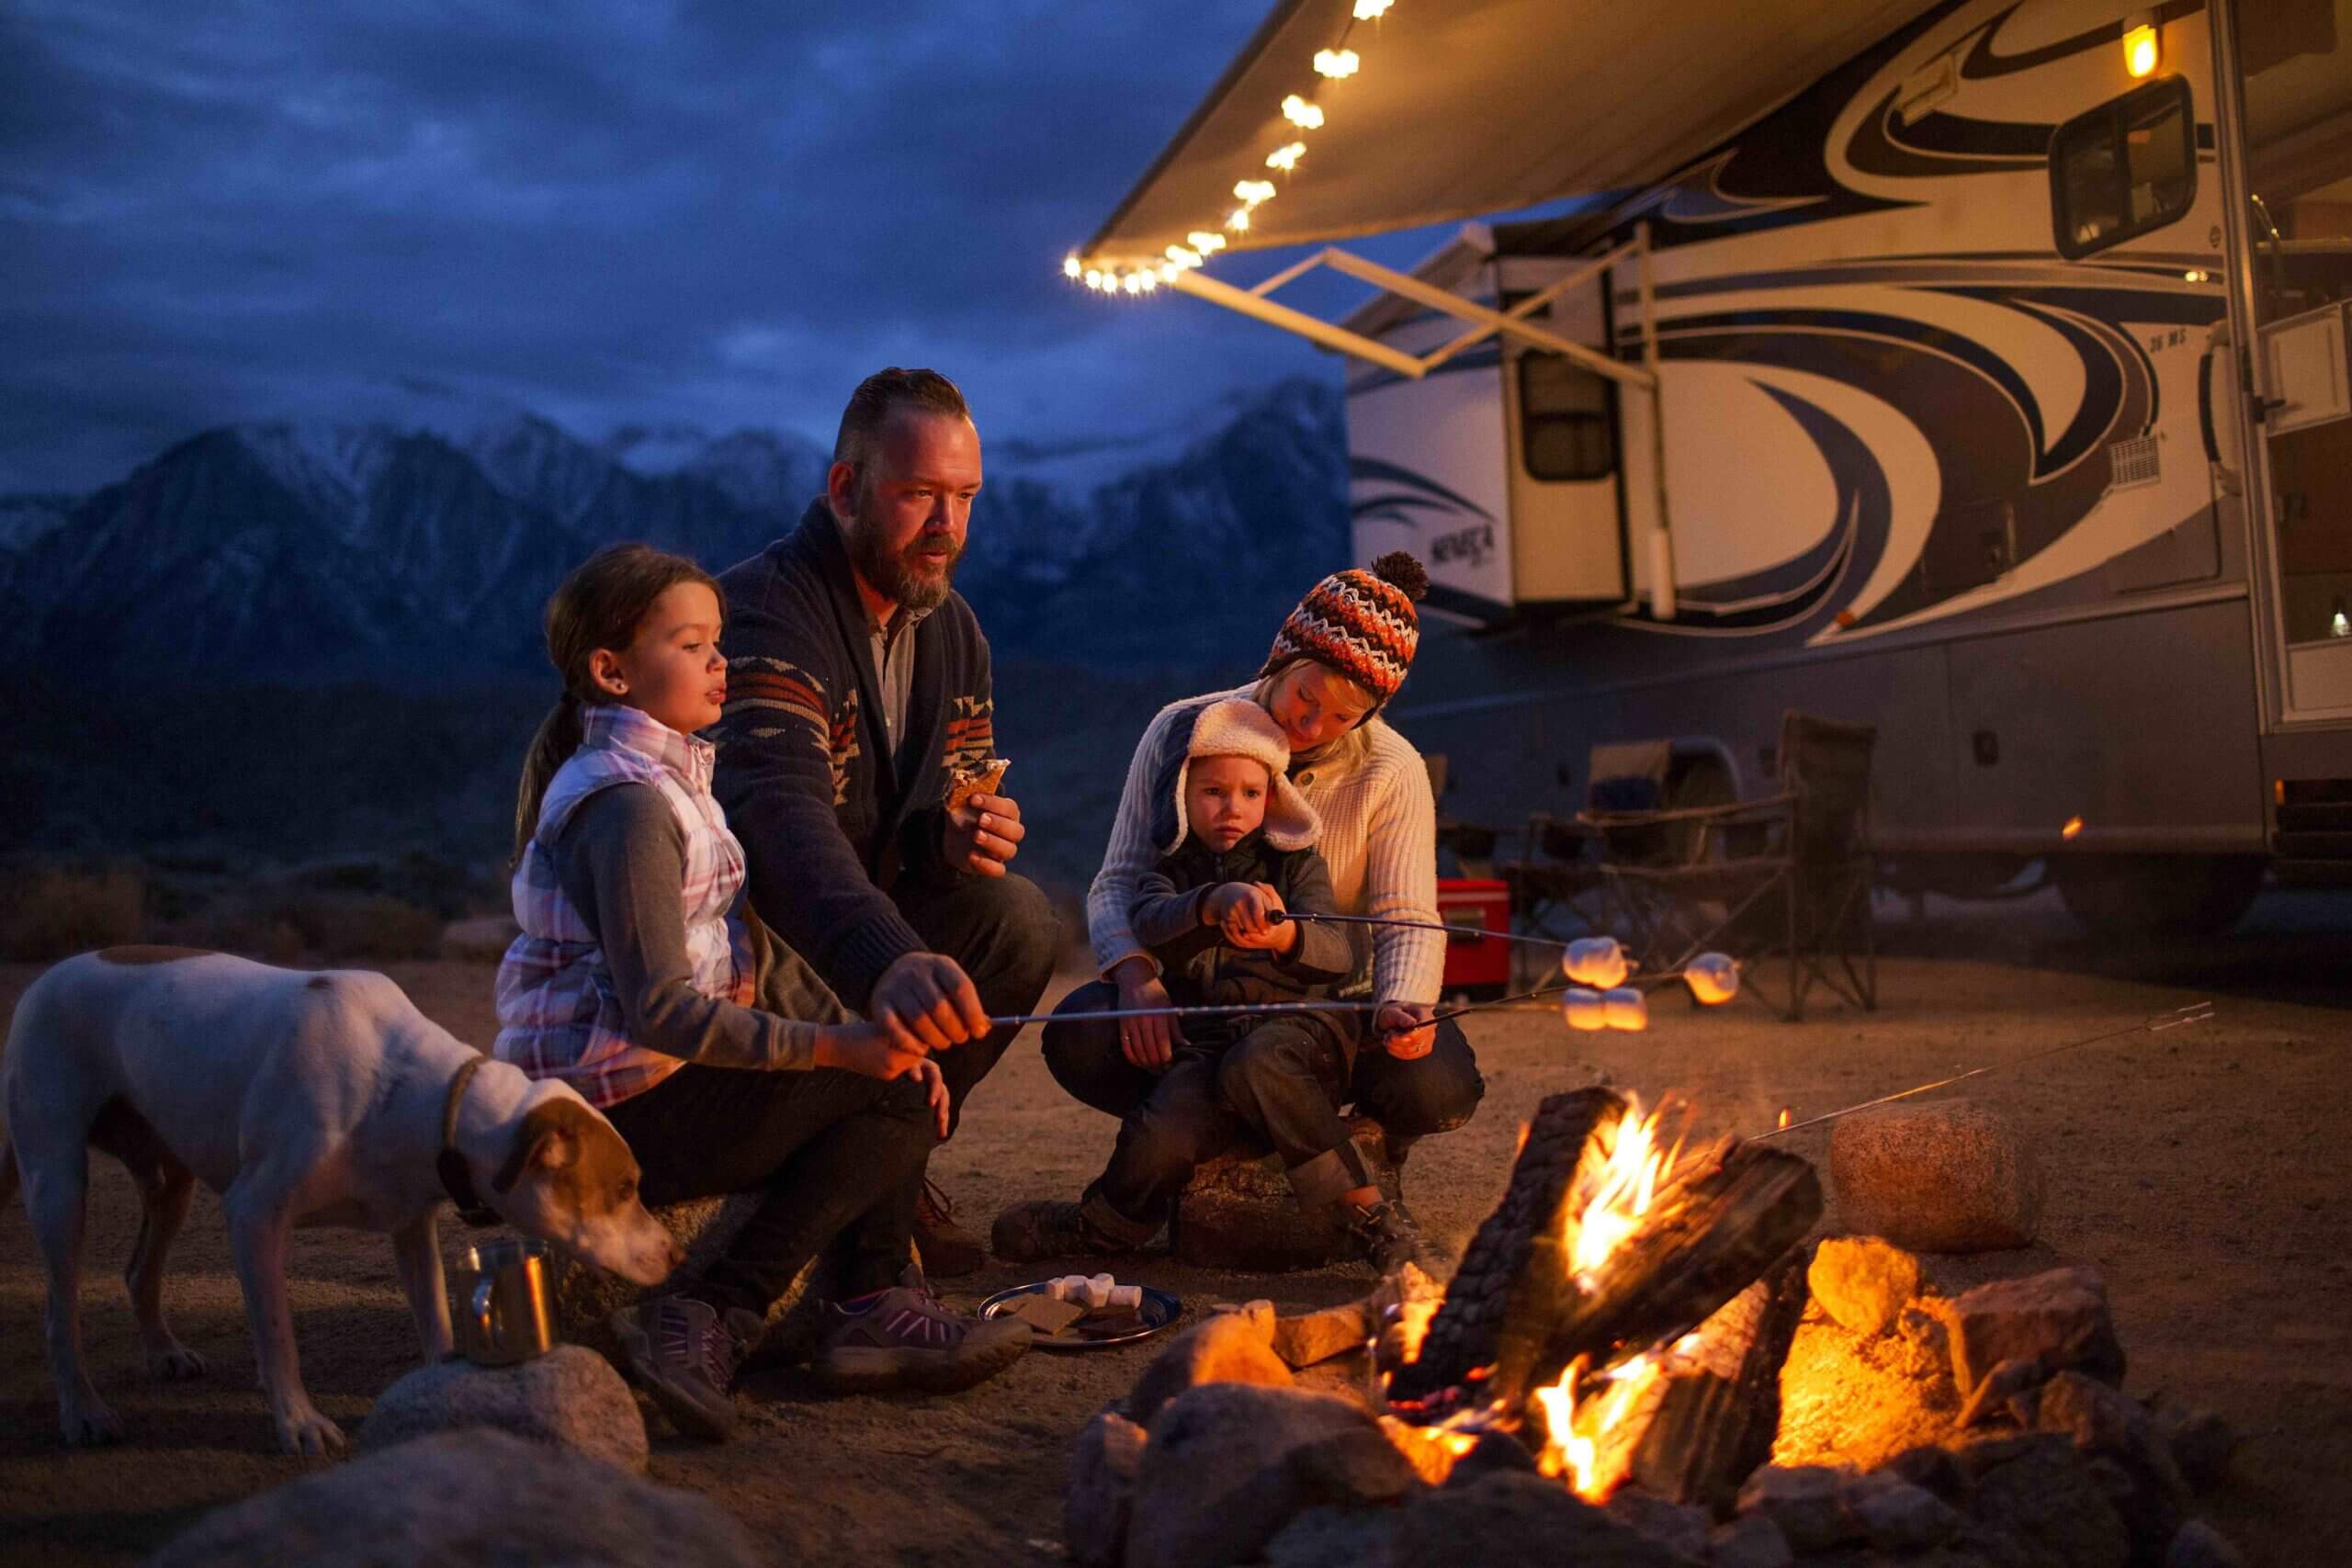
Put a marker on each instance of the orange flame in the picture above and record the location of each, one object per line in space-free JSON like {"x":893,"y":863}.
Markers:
{"x":1577,"y":1425}
{"x":1784,"y":1116}
{"x":2073,"y":826}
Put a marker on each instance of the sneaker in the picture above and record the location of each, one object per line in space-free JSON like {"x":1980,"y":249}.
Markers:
{"x":1390,"y":1239}
{"x":948,"y":1249}
{"x":1049,"y":1227}
{"x":685,"y":1354}
{"x":905,"y":1337}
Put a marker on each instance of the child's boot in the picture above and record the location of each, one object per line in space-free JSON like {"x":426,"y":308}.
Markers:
{"x":1388,"y":1236}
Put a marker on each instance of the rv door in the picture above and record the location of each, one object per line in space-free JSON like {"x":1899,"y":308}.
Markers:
{"x":1562,"y":431}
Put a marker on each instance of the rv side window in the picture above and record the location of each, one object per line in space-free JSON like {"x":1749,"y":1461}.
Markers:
{"x":2125,"y":168}
{"x":1563,"y":424}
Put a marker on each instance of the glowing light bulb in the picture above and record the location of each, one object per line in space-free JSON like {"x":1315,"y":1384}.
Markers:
{"x":1093,"y":278}
{"x":1336,"y":63}
{"x":1240,"y":221}
{"x":1301,"y":114}
{"x":1132,"y":284}
{"x":1070,"y":268}
{"x":2341,"y":626}
{"x":1150,"y":281}
{"x":2195,"y":275}
{"x":2141,"y":52}
{"x":1372,"y":10}
{"x":1286,"y":158}
{"x":1254,"y":191}
{"x":1204,"y":241}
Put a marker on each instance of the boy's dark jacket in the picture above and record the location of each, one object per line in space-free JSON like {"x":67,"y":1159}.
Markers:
{"x":805,"y":769}
{"x":1200,"y":970}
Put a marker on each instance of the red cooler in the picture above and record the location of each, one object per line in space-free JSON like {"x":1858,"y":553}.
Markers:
{"x":1478,"y":964}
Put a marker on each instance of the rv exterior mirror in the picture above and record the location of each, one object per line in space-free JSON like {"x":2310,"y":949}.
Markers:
{"x":2125,"y":168}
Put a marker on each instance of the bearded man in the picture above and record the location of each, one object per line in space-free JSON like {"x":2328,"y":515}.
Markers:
{"x":858,"y":686}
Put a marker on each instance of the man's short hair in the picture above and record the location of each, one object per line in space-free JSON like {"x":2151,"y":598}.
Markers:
{"x":883,"y":393}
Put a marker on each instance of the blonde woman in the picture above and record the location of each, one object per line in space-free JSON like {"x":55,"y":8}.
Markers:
{"x":1338,"y":660}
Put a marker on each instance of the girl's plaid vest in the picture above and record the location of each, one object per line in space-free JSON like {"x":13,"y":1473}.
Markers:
{"x":557,"y":1014}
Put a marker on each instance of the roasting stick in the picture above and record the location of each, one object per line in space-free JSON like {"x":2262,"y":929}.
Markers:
{"x":2156,"y":1023}
{"x":1278,"y":916}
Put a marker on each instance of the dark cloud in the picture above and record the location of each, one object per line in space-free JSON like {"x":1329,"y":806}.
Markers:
{"x":614,"y":212}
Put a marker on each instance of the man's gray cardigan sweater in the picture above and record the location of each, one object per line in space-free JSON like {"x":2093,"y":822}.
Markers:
{"x":805,"y":771}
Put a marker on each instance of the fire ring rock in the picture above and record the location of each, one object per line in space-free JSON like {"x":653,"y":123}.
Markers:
{"x":1953,"y":1176}
{"x":570,"y":1398}
{"x":1864,"y":1282}
{"x":477,"y":1497}
{"x":1238,"y":1213}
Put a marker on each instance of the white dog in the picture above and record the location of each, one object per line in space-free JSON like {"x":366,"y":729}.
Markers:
{"x":301,"y":1098}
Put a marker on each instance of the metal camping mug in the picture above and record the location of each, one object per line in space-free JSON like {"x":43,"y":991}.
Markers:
{"x":502,"y":1291}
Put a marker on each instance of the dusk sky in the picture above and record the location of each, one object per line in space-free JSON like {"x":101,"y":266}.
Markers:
{"x":605,"y":211}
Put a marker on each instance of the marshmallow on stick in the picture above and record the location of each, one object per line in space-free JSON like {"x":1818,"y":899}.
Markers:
{"x":1583,"y":1009}
{"x":1595,"y":961}
{"x":1713,"y":978}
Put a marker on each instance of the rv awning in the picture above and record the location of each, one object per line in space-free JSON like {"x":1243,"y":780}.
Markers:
{"x":1464,"y":107}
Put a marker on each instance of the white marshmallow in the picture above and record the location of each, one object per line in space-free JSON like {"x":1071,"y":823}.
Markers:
{"x":1127,"y":1295}
{"x":1099,"y":1289}
{"x":1713,"y":978}
{"x":1595,"y":961}
{"x":1626,"y":1008}
{"x":1583,"y":1009}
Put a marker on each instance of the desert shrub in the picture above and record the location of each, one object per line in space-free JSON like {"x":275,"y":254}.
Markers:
{"x":51,"y":913}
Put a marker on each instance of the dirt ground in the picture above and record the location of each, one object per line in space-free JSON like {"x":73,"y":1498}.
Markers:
{"x":2205,"y":1170}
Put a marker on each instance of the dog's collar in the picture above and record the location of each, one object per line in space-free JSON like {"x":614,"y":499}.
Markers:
{"x":456,"y":1180}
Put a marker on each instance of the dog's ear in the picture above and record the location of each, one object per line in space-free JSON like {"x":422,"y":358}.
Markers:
{"x":548,"y":1139}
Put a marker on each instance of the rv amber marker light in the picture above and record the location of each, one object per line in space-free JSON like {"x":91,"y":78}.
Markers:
{"x":2140,"y":49}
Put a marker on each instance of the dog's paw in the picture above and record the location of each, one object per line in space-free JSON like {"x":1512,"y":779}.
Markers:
{"x":306,"y":1432}
{"x":87,"y":1422}
{"x":175,"y":1363}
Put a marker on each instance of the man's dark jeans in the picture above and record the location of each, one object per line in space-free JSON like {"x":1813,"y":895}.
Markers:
{"x":1004,"y":933}
{"x":1435,"y":1094}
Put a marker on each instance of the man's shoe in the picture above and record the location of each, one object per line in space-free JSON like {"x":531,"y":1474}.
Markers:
{"x":904,"y":1337}
{"x":684,"y":1353}
{"x":948,"y":1249}
{"x":1388,"y":1236}
{"x":1050,"y":1227}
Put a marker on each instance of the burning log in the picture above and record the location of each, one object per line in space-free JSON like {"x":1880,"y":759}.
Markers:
{"x":1716,"y":1417}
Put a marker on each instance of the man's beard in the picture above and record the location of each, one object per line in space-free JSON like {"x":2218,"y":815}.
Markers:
{"x":893,"y":575}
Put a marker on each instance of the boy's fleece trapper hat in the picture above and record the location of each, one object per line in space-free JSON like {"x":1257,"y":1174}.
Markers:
{"x":1239,"y":727}
{"x":1361,"y":624}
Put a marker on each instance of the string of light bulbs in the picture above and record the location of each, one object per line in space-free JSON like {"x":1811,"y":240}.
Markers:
{"x":1303,"y":114}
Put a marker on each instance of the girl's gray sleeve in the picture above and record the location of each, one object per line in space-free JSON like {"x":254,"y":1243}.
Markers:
{"x":620,"y":859}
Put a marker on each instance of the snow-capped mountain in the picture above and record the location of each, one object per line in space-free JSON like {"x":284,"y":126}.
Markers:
{"x":303,"y":553}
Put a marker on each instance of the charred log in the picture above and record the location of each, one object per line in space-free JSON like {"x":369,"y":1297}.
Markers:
{"x":1720,"y":1408}
{"x":1721,"y":1230}
{"x":1498,"y":1305}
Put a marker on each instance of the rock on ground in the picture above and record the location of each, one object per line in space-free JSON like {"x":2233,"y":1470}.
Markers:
{"x":1749,"y":1541}
{"x":1674,"y":1525}
{"x":1512,"y":1520}
{"x":1950,"y":1176}
{"x":2036,"y":1493}
{"x":1315,"y":1337}
{"x":2060,"y":1316}
{"x":1863,"y":1281}
{"x":1101,"y":1498}
{"x":1229,"y":1346}
{"x":570,"y":1398}
{"x":1805,"y":1503}
{"x":1334,"y":1537}
{"x":1229,"y":1464}
{"x":1238,"y":1212}
{"x":586,"y":1297}
{"x":467,"y":1497}
{"x":2199,"y":1545}
{"x":2201,"y":1444}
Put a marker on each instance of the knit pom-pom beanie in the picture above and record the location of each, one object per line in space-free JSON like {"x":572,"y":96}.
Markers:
{"x":1361,"y":624}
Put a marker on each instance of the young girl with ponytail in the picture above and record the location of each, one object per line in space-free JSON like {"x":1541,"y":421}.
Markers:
{"x":633,"y":979}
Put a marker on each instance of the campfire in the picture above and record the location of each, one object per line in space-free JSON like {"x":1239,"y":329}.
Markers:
{"x":1620,"y":1314}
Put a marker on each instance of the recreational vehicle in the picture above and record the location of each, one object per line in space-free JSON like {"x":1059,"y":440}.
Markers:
{"x":1977,"y":369}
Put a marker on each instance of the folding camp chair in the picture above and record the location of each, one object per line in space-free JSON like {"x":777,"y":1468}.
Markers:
{"x":1789,"y":876}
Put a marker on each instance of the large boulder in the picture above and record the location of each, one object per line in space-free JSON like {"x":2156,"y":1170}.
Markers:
{"x":467,"y":1497}
{"x":1229,"y":1464}
{"x":2059,"y":1317}
{"x":1101,"y":1498}
{"x":1863,"y":1281}
{"x":1238,"y":1212}
{"x":570,"y":1398}
{"x":1949,"y":1175}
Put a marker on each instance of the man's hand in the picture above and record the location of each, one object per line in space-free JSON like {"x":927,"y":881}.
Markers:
{"x":1150,"y":1043}
{"x":869,"y":1049}
{"x":929,"y":996}
{"x":1245,"y":912}
{"x":1405,"y":1029}
{"x":983,"y":834}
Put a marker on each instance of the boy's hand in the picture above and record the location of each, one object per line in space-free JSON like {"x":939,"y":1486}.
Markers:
{"x":1256,"y":926}
{"x":1244,"y":911}
{"x":983,"y":834}
{"x":1405,"y":1030}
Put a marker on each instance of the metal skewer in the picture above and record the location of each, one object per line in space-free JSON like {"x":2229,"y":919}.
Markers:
{"x":2156,"y":1023}
{"x":1278,"y":916}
